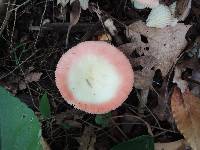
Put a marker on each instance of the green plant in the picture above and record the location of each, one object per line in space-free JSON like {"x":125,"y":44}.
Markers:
{"x":144,"y":142}
{"x":103,"y":120}
{"x":20,"y":128}
{"x":44,"y":106}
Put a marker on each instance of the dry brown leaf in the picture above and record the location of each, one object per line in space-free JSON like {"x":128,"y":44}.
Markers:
{"x":177,"y":145}
{"x":104,"y":37}
{"x":182,"y":84}
{"x":164,"y":44}
{"x":31,"y":77}
{"x":143,"y":78}
{"x":186,"y":112}
{"x":74,"y":17}
{"x":157,"y":49}
{"x":183,"y":8}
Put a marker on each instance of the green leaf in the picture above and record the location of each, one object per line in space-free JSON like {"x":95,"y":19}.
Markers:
{"x":45,"y":106}
{"x":144,"y":142}
{"x":20,"y":128}
{"x":103,"y":120}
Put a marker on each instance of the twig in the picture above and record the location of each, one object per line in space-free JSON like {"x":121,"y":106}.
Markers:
{"x":3,"y":76}
{"x":147,"y":125}
{"x":8,"y":13}
{"x":11,"y":40}
{"x":120,"y":130}
{"x":45,"y":7}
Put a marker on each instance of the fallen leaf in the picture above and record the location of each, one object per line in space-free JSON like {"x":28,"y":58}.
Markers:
{"x":74,"y":17}
{"x":30,"y":77}
{"x":157,"y":49}
{"x":104,"y":37}
{"x":162,"y":109}
{"x":186,"y":112}
{"x":176,"y":145}
{"x":33,"y":77}
{"x":191,"y":80}
{"x":183,"y":8}
{"x":83,"y":3}
{"x":182,"y":84}
{"x":164,"y":44}
{"x":142,"y":78}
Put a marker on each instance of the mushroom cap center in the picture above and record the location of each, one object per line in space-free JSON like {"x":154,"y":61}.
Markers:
{"x":93,"y":79}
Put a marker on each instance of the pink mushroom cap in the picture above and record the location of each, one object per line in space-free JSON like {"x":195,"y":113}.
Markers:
{"x":94,"y":76}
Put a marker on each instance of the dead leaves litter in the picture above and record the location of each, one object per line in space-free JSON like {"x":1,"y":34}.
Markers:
{"x":176,"y":145}
{"x":31,"y":77}
{"x":163,"y":44}
{"x":158,"y":49}
{"x":186,"y":112}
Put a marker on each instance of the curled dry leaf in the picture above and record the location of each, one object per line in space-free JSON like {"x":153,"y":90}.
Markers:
{"x":74,"y":17}
{"x":176,"y":145}
{"x":186,"y":112}
{"x":164,"y":44}
{"x":183,"y":8}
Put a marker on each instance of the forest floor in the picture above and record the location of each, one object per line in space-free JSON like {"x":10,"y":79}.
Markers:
{"x":34,"y":38}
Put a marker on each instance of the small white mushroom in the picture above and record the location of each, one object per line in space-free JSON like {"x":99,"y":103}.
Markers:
{"x":138,"y":5}
{"x":161,"y":17}
{"x":172,"y":8}
{"x":141,"y":4}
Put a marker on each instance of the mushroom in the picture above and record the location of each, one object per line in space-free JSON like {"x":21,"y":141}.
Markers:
{"x":141,"y":4}
{"x":160,"y":17}
{"x":94,"y":76}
